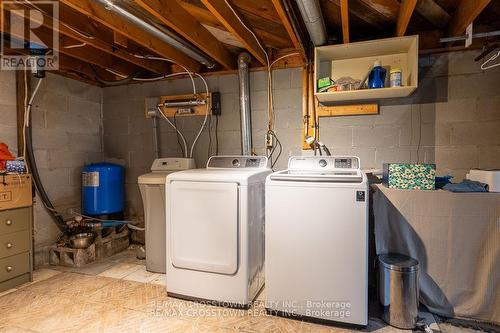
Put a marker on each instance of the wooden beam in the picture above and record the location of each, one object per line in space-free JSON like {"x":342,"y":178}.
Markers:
{"x":268,"y":36}
{"x":232,"y":22}
{"x":344,"y":14}
{"x":387,"y":8}
{"x":82,"y":31}
{"x":346,"y":110}
{"x":131,"y":31}
{"x":68,"y":67}
{"x":70,"y":47}
{"x":466,"y":12}
{"x":432,"y":12}
{"x":405,"y":12}
{"x":119,"y":39}
{"x":172,"y":14}
{"x":278,"y":5}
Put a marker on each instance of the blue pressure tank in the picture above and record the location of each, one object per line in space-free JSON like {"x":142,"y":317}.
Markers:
{"x":102,"y":189}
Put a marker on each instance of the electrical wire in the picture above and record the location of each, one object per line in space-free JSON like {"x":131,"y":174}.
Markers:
{"x":158,"y":107}
{"x":170,"y":60}
{"x":204,"y":121}
{"x":216,"y":134}
{"x":117,"y":82}
{"x":177,"y":135}
{"x":209,"y":136}
{"x":249,"y":30}
{"x":278,"y":142}
{"x":194,"y":93}
{"x":74,"y":46}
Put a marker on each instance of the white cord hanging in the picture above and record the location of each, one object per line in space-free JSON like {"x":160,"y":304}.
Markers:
{"x":484,"y":67}
{"x":175,"y":128}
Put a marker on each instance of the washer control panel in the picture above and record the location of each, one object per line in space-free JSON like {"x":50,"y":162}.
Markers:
{"x":343,"y":163}
{"x":323,"y":163}
{"x":172,"y":164}
{"x":238,"y":162}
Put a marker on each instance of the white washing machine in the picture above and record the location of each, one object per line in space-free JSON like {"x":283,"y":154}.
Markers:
{"x":152,"y":187}
{"x":215,"y":230}
{"x":317,"y":240}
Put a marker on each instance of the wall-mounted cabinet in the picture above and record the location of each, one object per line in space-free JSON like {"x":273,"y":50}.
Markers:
{"x":356,"y":60}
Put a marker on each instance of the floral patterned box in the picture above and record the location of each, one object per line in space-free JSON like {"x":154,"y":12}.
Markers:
{"x":407,"y":176}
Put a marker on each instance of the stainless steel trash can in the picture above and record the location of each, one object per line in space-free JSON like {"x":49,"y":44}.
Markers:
{"x":398,"y":289}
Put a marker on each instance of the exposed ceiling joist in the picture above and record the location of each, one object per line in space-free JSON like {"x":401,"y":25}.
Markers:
{"x":466,"y":12}
{"x":344,"y":15}
{"x":267,"y":35}
{"x":405,"y":12}
{"x":278,"y":5}
{"x":433,"y":13}
{"x":81,"y":30}
{"x":232,"y":22}
{"x":387,"y":8}
{"x":263,"y":9}
{"x":131,"y":31}
{"x":75,"y":49}
{"x":172,"y":14}
{"x":119,"y":39}
{"x":68,"y":67}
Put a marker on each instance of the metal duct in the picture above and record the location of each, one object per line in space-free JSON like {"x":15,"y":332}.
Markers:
{"x":163,"y":34}
{"x":313,"y":19}
{"x":246,"y":120}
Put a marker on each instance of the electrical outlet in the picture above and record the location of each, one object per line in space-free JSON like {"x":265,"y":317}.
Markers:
{"x":269,"y":141}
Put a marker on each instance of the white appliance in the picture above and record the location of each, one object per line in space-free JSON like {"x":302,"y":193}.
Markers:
{"x":489,"y":177}
{"x":215,"y":230}
{"x":317,"y":240}
{"x":152,"y":187}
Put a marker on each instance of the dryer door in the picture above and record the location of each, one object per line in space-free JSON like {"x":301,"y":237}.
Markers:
{"x":204,"y":226}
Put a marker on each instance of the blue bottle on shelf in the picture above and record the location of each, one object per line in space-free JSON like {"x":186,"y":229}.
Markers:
{"x":376,"y":79}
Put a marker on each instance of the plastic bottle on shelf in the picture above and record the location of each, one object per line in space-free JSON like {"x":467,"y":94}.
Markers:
{"x":376,"y":79}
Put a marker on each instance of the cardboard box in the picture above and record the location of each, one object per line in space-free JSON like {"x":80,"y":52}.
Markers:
{"x":15,"y":191}
{"x":408,"y":176}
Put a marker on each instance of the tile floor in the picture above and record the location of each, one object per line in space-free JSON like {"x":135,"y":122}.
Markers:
{"x":119,"y":295}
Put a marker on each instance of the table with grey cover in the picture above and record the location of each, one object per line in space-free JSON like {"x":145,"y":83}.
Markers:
{"x":456,"y":239}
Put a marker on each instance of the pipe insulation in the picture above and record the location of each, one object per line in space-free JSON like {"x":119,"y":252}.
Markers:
{"x":310,"y":11}
{"x":245,"y":117}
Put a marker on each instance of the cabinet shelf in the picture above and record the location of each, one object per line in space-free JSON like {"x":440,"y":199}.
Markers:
{"x":355,"y":60}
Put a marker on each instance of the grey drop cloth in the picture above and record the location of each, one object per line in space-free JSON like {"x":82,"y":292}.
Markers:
{"x":456,"y":239}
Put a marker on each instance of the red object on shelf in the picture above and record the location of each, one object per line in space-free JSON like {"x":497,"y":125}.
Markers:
{"x":5,"y":155}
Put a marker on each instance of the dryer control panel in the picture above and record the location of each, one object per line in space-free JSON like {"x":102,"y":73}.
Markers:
{"x":238,"y":162}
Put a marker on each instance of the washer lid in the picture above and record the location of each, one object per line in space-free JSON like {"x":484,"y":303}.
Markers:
{"x":398,"y":262}
{"x":154,"y":178}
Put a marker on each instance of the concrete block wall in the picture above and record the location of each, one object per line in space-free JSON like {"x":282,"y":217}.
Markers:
{"x":451,"y":120}
{"x":67,"y":134}
{"x":8,"y":120}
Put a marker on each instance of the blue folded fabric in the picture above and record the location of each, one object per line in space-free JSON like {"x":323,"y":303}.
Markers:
{"x":466,"y":186}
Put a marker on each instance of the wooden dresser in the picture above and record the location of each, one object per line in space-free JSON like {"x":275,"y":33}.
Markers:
{"x":16,"y":246}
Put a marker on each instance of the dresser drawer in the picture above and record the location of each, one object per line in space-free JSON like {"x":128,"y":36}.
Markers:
{"x":13,"y":266}
{"x":14,"y":220}
{"x":14,"y":243}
